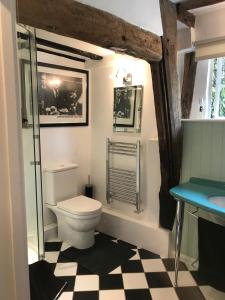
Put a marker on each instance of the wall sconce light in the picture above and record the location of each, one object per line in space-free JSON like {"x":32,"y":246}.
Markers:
{"x":127,"y":80}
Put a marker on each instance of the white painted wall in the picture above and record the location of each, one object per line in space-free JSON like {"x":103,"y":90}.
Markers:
{"x":102,"y":127}
{"x":66,"y":144}
{"x":13,"y":259}
{"x":143,"y":13}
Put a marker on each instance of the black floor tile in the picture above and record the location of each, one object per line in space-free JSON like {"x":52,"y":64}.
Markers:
{"x":110,"y":282}
{"x":83,"y":271}
{"x":104,"y":236}
{"x":158,"y":280}
{"x":132,"y":266}
{"x":189,"y":293}
{"x":128,"y":245}
{"x":70,"y":280}
{"x":62,"y":258}
{"x":93,"y":295}
{"x":53,"y":246}
{"x":139,"y":294}
{"x":52,"y":266}
{"x":144,"y":254}
{"x":169,"y":264}
{"x":198,"y":279}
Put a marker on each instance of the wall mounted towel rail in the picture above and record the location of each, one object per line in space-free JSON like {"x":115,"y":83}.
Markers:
{"x":123,"y":184}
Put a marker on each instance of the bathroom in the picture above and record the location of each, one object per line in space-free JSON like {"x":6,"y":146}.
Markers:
{"x":48,"y":147}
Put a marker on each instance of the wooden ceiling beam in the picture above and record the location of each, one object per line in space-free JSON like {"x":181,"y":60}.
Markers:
{"x":193,"y":4}
{"x":76,"y":20}
{"x":185,"y":17}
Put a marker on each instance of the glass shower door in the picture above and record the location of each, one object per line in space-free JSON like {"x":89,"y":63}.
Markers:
{"x":31,"y":142}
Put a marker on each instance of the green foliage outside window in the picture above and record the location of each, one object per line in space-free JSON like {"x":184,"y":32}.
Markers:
{"x":221,"y":112}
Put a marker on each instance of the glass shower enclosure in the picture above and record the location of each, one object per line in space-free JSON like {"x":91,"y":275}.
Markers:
{"x":31,"y":142}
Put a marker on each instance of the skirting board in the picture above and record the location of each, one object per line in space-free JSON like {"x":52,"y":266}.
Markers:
{"x":143,"y":235}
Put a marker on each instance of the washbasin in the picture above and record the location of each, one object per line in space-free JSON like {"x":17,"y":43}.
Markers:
{"x":217,"y":200}
{"x":206,"y":194}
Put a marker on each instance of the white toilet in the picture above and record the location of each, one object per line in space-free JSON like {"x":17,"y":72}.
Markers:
{"x":77,"y":216}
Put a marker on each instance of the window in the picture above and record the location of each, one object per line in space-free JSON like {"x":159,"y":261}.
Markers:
{"x":216,"y":88}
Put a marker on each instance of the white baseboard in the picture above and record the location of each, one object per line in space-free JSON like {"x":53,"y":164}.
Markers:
{"x":143,"y":235}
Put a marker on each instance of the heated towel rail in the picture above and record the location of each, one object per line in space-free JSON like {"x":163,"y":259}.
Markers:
{"x":123,"y":184}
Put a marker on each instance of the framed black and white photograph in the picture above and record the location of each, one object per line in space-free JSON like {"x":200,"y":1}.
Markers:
{"x":62,"y":95}
{"x":124,"y":106}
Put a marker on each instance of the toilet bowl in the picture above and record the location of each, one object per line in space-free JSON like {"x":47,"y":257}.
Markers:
{"x":77,"y":219}
{"x":77,"y":216}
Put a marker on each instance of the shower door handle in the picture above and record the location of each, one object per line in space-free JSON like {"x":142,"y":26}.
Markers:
{"x":35,"y":163}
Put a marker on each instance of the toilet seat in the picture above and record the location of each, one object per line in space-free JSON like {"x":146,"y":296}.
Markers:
{"x":81,"y":206}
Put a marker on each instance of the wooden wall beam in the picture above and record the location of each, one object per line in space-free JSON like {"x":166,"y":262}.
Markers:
{"x":76,"y":20}
{"x":190,"y":67}
{"x":185,"y":17}
{"x":193,"y":4}
{"x":168,"y":113}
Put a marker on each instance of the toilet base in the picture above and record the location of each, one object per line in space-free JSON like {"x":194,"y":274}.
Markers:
{"x":82,"y":240}
{"x":79,"y":233}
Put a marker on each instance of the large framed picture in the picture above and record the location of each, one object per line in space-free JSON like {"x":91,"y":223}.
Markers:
{"x":62,"y":95}
{"x":126,"y":103}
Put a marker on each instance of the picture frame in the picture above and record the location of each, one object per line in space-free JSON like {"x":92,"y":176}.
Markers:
{"x":124,"y":106}
{"x":127,"y":109}
{"x":63,"y":95}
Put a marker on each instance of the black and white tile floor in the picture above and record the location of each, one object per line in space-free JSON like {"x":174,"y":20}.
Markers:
{"x":145,"y":276}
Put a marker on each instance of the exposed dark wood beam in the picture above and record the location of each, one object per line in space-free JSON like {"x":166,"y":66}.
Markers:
{"x":60,"y":54}
{"x":73,"y":50}
{"x":168,"y":113}
{"x":190,"y":67}
{"x":186,"y":17}
{"x":76,"y":20}
{"x":193,"y":4}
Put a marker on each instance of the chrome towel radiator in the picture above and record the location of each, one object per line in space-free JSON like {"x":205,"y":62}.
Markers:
{"x":123,"y":184}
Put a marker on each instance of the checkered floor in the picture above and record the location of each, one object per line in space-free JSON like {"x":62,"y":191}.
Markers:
{"x":145,"y":276}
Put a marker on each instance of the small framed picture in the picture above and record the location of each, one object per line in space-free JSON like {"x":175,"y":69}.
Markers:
{"x":62,"y":95}
{"x":125,"y":106}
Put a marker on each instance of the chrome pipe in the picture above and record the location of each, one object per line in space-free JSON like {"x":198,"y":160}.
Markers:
{"x":123,"y":199}
{"x":123,"y":147}
{"x":123,"y":185}
{"x":122,"y":153}
{"x":123,"y":179}
{"x":121,"y":170}
{"x":123,"y":143}
{"x":179,"y":228}
{"x":138,"y":165}
{"x":107,"y":172}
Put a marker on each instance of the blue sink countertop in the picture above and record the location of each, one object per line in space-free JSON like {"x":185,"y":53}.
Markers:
{"x":197,"y":191}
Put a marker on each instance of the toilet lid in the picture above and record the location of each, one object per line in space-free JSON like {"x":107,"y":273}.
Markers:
{"x":81,"y":205}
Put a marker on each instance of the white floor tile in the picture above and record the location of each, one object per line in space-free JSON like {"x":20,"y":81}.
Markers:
{"x":112,"y":295}
{"x":134,"y":281}
{"x":116,"y":271}
{"x":184,"y":278}
{"x":66,"y":296}
{"x":164,"y":294}
{"x":65,"y":246}
{"x":136,"y":256}
{"x":153,"y":265}
{"x":86,"y":283}
{"x":66,"y":269}
{"x":52,"y":257}
{"x":211,"y":293}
